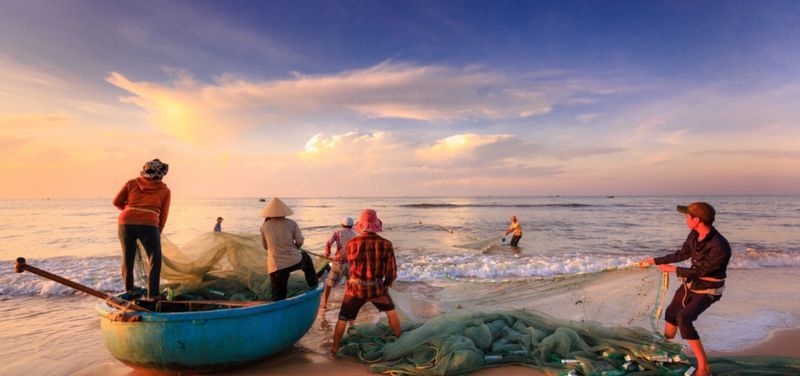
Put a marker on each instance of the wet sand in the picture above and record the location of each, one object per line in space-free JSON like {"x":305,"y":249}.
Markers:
{"x":781,"y":342}
{"x":60,"y":335}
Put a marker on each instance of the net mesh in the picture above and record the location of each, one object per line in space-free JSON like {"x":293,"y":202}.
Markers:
{"x":460,"y":342}
{"x":222,"y":266}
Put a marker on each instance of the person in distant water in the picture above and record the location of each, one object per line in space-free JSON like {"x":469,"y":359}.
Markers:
{"x":373,"y":268}
{"x":218,"y":226}
{"x":703,"y":281}
{"x":516,"y":229}
{"x":282,"y":239}
{"x":144,"y":202}
{"x":340,"y":267}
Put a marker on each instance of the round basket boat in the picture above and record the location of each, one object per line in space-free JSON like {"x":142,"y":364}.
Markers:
{"x":207,"y":340}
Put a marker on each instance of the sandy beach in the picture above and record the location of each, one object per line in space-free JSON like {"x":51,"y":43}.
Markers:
{"x":63,"y":337}
{"x":519,"y":159}
{"x":447,"y":262}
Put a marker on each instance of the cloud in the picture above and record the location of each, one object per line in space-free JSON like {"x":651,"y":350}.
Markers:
{"x":190,"y":109}
{"x":756,"y":153}
{"x":392,"y":163}
{"x":473,"y":150}
{"x":23,"y":122}
{"x":181,"y":110}
{"x":586,"y":118}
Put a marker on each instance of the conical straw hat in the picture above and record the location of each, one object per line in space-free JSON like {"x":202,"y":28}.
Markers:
{"x":275,"y":208}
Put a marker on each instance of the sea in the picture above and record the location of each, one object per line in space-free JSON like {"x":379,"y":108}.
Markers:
{"x":437,"y":240}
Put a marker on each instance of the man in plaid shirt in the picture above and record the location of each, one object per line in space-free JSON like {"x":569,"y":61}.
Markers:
{"x":372,"y":270}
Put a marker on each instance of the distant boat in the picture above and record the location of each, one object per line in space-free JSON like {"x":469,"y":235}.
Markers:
{"x":262,"y":200}
{"x":609,"y":196}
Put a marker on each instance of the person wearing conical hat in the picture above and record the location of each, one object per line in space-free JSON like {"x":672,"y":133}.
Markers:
{"x":144,"y":202}
{"x":373,"y":269}
{"x":282,"y":239}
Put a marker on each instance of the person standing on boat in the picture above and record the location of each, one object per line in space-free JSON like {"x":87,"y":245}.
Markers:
{"x":339,"y":265}
{"x":373,"y":269}
{"x":282,"y":239}
{"x":703,"y":281}
{"x":144,"y":202}
{"x":516,"y":229}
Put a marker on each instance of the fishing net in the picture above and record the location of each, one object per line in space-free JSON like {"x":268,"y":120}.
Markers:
{"x":222,"y":266}
{"x":460,"y":342}
{"x":483,"y":244}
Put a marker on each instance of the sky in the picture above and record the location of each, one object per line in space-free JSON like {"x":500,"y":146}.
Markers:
{"x":400,"y":98}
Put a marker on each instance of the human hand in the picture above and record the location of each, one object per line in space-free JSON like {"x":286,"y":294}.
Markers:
{"x":666,"y":268}
{"x":644,"y":264}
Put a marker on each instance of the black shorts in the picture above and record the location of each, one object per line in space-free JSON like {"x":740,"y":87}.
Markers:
{"x":351,"y":305}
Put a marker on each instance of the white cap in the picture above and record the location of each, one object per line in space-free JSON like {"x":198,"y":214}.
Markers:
{"x":347,"y":222}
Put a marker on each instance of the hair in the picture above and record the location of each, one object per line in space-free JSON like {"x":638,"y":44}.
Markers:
{"x":701,"y":220}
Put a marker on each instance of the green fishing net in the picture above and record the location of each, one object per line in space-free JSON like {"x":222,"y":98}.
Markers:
{"x":222,"y":266}
{"x":460,"y":342}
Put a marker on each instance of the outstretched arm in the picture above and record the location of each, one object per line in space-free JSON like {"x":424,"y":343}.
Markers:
{"x":333,"y":239}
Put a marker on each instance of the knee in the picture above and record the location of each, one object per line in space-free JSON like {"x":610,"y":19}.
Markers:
{"x":685,"y":318}
{"x":686,"y":326}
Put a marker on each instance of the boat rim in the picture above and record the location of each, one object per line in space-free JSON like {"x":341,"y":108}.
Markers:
{"x":106,"y":310}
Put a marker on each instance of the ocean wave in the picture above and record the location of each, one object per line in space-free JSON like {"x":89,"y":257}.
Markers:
{"x":103,"y":273}
{"x":99,"y":273}
{"x":425,"y":205}
{"x":311,"y":228}
{"x":757,"y":259}
{"x":420,"y":268}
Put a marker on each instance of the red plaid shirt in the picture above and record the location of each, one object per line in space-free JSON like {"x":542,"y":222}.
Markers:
{"x":340,"y":238}
{"x":372,"y":265}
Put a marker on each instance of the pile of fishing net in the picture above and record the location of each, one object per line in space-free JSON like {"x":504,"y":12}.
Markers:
{"x":460,"y":342}
{"x":221,"y":266}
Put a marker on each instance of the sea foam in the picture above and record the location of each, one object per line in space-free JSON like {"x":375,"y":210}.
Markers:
{"x":103,"y":273}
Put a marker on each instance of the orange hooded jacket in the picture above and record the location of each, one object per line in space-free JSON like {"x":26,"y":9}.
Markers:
{"x":143,"y":202}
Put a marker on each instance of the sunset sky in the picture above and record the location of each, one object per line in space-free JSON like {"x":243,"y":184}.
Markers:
{"x":400,"y":98}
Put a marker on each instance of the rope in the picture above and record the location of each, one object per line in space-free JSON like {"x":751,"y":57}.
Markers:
{"x":316,"y":254}
{"x":659,"y":304}
{"x":142,"y":272}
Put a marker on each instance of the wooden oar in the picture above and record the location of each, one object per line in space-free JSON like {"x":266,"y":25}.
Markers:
{"x":123,"y":304}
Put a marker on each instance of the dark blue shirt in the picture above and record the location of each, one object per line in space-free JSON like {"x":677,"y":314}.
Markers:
{"x":709,"y":256}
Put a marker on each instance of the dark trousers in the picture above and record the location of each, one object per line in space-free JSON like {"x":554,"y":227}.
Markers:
{"x":515,"y":240}
{"x":684,"y":316}
{"x":150,"y":237}
{"x":280,"y":278}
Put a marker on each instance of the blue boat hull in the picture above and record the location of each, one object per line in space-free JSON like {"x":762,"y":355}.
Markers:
{"x":208,"y":340}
